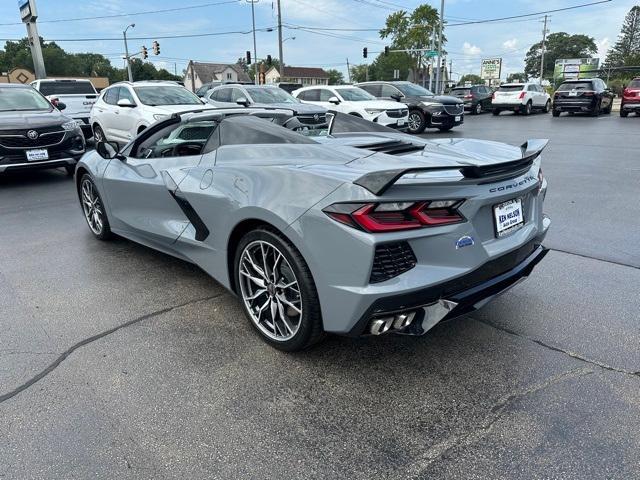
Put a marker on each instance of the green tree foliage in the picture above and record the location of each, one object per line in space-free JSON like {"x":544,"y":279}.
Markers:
{"x":558,"y":45}
{"x":517,"y":77}
{"x":472,"y":78}
{"x":626,"y":51}
{"x":59,"y":63}
{"x":335,"y":77}
{"x":412,"y":30}
{"x":359,"y":73}
{"x":383,"y":66}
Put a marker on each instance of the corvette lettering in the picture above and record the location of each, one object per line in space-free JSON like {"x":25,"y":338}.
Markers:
{"x":524,"y":181}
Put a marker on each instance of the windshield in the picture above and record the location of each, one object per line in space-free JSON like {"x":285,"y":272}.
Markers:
{"x":166,"y":95}
{"x":461,"y":92}
{"x":19,"y":99}
{"x":413,"y":90}
{"x":355,"y":94}
{"x":510,"y":88}
{"x":635,"y":83}
{"x":270,"y":95}
{"x":575,"y":86}
{"x":67,"y":88}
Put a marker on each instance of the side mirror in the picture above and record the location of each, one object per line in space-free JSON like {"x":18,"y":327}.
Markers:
{"x":60,"y":106}
{"x":107,"y":150}
{"x":334,"y":100}
{"x":125,"y":102}
{"x":242,"y":101}
{"x":397,"y":96}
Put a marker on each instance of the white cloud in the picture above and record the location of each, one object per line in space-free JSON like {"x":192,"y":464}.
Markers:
{"x":469,"y":49}
{"x":510,"y":44}
{"x":603,"y":45}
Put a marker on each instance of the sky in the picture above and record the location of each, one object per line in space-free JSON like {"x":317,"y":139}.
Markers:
{"x":467,"y":44}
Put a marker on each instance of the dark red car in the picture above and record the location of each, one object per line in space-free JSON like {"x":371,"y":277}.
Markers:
{"x":631,"y":98}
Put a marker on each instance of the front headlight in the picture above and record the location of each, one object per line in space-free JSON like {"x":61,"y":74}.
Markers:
{"x":372,"y":111}
{"x":72,"y":125}
{"x":160,"y":116}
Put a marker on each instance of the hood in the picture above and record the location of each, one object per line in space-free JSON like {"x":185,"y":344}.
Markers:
{"x":32,"y":119}
{"x":379,"y":104}
{"x":443,"y":99}
{"x":298,"y":108}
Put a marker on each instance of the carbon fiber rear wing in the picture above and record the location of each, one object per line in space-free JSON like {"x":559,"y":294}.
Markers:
{"x":380,"y":181}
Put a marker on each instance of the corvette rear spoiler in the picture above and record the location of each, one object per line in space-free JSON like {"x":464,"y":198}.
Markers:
{"x":380,"y":181}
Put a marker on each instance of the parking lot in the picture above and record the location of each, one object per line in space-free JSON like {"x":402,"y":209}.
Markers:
{"x":120,"y":362}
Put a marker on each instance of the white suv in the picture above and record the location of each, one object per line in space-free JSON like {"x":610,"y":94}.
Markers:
{"x":520,"y":98}
{"x":356,"y":101}
{"x":125,"y":109}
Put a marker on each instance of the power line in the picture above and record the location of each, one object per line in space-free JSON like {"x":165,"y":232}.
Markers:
{"x":117,"y":15}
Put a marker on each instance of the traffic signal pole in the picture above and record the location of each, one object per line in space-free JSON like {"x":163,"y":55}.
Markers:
{"x":438,"y":64}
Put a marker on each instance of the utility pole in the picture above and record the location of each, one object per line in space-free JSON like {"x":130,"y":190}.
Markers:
{"x":193,"y":77}
{"x":433,"y":42}
{"x":175,"y":69}
{"x":126,"y":51}
{"x":438,"y":65}
{"x":451,"y":71}
{"x":348,"y":71}
{"x":255,"y":54}
{"x":544,"y":39}
{"x":280,"y":42}
{"x":29,"y":15}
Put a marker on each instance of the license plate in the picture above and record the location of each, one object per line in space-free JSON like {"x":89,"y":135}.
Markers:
{"x":457,"y":118}
{"x":508,"y":216}
{"x":37,"y":155}
{"x":401,"y":123}
{"x":573,"y":94}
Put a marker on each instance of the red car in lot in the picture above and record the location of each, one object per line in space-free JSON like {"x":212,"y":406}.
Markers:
{"x":631,"y":98}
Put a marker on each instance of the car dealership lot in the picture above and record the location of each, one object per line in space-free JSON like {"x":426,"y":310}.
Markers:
{"x":541,"y":383}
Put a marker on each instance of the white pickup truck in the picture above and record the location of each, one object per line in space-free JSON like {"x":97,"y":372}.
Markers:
{"x":78,"y":97}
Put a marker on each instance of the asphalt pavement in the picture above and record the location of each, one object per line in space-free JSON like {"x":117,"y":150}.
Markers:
{"x":120,"y":362}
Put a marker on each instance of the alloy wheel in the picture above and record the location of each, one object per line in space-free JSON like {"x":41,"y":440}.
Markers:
{"x":98,"y":134}
{"x":270,"y":291}
{"x":414,"y":121}
{"x":478,"y":109}
{"x":92,"y":207}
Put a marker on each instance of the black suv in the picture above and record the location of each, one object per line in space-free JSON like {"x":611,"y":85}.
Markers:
{"x":588,"y":95}
{"x":34,"y":134}
{"x":476,"y":98}
{"x":426,"y":110}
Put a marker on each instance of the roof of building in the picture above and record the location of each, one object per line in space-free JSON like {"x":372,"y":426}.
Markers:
{"x":304,"y":72}
{"x":207,"y":71}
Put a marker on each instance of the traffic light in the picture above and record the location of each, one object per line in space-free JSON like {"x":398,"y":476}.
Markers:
{"x":364,"y":52}
{"x":248,"y":57}
{"x":156,"y":47}
{"x":386,"y":51}
{"x":269,"y":60}
{"x":145,"y":53}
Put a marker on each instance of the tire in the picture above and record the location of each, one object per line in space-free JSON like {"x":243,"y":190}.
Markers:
{"x":70,"y":169}
{"x":98,"y":134}
{"x":547,"y":106}
{"x":416,"y":122}
{"x":297,"y":331}
{"x":477,"y":110}
{"x":596,"y":110}
{"x":496,"y":111}
{"x":555,"y":113}
{"x":96,"y":218}
{"x":609,"y":108}
{"x":623,"y":113}
{"x":527,"y":108}
{"x":445,"y":129}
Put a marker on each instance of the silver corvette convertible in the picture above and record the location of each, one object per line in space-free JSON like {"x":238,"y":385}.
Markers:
{"x":360,"y":230}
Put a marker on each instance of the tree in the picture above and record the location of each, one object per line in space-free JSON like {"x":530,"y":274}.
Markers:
{"x":471,"y":78}
{"x":359,"y":73}
{"x":626,"y":51}
{"x":517,"y":77}
{"x":335,"y":77}
{"x":383,"y":66}
{"x":558,"y":45}
{"x":412,"y":31}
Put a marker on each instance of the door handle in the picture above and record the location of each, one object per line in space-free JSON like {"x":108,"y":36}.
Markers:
{"x":117,"y":112}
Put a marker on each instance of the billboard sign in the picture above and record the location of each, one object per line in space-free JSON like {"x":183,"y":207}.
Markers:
{"x":490,"y":68}
{"x":575,"y":68}
{"x":27,"y":10}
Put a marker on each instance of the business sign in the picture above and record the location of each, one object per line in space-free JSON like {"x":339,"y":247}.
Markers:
{"x":490,"y":68}
{"x":575,"y":68}
{"x":27,"y":10}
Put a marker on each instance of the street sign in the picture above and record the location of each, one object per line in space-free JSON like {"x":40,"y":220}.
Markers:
{"x":430,"y":53}
{"x":490,"y":68}
{"x":27,"y":10}
{"x":575,"y":68}
{"x":396,"y":74}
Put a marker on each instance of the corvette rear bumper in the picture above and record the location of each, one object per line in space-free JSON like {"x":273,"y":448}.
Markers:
{"x":455,"y":297}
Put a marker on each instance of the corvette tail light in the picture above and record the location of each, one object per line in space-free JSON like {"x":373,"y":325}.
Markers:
{"x":522,"y":94}
{"x":396,"y":216}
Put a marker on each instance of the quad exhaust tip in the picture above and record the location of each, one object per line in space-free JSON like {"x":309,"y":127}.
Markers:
{"x":399,"y":321}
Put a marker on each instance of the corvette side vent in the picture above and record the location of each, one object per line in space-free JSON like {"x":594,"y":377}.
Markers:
{"x":391,"y":260}
{"x":393,"y":147}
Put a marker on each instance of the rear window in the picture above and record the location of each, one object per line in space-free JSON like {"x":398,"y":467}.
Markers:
{"x":575,"y":86}
{"x":635,"y":83}
{"x":510,"y":88}
{"x":461,"y":92}
{"x":67,"y":88}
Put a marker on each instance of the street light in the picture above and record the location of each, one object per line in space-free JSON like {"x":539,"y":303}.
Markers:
{"x":126,"y":51}
{"x":288,"y":38}
{"x":255,"y":53}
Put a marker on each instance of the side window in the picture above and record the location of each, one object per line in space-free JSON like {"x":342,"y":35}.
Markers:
{"x":223,"y":95}
{"x":531,"y":88}
{"x":311,"y":95}
{"x":126,"y":94}
{"x":236,"y":93}
{"x":177,"y":140}
{"x":387,"y":91}
{"x":111,"y":96}
{"x":326,"y":94}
